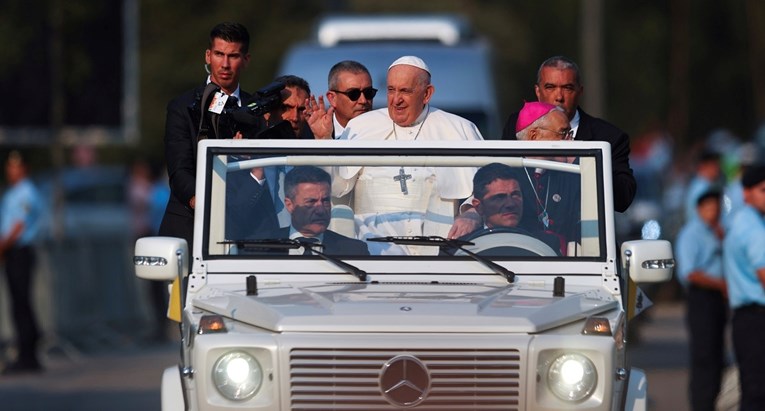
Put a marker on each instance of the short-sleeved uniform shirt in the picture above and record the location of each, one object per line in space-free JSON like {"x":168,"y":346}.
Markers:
{"x":21,"y":203}
{"x":743,"y":255}
{"x":696,"y":188}
{"x":697,"y":248}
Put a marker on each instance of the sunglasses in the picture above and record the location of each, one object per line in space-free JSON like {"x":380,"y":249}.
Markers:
{"x":353,"y":93}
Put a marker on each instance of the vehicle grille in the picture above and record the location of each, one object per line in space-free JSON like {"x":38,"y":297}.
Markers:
{"x":350,"y":379}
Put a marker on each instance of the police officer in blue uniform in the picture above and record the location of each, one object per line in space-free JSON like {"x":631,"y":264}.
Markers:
{"x":698,"y":251}
{"x":744,"y":265}
{"x":20,"y":212}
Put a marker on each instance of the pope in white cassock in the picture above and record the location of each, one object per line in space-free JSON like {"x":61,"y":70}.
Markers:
{"x":406,"y":201}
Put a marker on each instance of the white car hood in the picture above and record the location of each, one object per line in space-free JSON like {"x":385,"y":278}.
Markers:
{"x":404,"y":307}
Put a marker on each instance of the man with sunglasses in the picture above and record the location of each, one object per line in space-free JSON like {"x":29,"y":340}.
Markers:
{"x":558,"y":84}
{"x":350,"y":94}
{"x":390,"y":201}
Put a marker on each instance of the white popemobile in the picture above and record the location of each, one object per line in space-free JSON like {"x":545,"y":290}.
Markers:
{"x":495,"y":320}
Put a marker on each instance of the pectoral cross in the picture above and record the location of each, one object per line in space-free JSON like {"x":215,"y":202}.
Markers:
{"x":401,"y":178}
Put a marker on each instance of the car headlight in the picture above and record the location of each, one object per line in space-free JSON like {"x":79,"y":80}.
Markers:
{"x":572,"y":377}
{"x":237,"y":375}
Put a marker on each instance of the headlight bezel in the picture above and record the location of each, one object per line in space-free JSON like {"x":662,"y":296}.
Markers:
{"x":577,"y":390}
{"x":227,"y":385}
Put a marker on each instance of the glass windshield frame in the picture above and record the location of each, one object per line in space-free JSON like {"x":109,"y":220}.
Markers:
{"x":341,"y":150}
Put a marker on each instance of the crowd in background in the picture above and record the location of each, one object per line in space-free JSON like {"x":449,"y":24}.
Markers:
{"x":711,"y":212}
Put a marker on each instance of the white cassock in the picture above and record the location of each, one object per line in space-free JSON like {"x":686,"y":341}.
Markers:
{"x":405,"y":201}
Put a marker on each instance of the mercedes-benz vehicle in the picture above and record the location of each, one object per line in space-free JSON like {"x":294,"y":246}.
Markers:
{"x":322,"y":277}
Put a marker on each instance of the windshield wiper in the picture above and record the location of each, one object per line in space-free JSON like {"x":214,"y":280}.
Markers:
{"x":442,"y":242}
{"x":286,"y":243}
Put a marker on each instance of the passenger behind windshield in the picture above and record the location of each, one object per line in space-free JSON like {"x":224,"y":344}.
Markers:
{"x":307,"y":192}
{"x":498,"y":199}
{"x":553,"y":197}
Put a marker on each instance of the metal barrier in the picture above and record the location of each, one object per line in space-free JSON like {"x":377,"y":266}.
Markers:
{"x":86,"y":297}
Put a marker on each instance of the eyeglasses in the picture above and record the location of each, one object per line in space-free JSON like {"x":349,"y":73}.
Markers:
{"x":354,"y":93}
{"x":564,"y":135}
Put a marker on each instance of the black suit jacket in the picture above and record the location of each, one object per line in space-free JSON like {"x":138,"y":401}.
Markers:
{"x":595,"y":129}
{"x":181,"y":130}
{"x":334,"y":243}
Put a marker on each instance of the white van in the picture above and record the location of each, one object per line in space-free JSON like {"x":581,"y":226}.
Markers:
{"x":460,"y":62}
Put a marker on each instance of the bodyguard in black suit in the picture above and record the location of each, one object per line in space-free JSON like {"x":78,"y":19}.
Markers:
{"x":307,"y":192}
{"x":558,"y":83}
{"x":226,"y":56}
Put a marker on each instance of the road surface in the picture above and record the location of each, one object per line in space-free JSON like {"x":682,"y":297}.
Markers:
{"x":129,"y":379}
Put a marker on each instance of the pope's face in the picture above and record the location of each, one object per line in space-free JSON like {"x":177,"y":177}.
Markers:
{"x":226,"y":62}
{"x":407,"y":93}
{"x":502,"y":206}
{"x":310,"y":208}
{"x":559,"y":87}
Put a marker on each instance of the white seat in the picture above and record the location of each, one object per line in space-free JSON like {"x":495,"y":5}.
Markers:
{"x":343,"y":221}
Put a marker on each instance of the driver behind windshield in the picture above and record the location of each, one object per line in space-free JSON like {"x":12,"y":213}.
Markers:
{"x":307,"y":191}
{"x":498,"y":199}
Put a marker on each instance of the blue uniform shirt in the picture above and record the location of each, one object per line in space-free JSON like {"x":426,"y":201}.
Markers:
{"x":733,"y":200}
{"x":696,"y":188}
{"x":743,"y":254}
{"x":21,"y":203}
{"x":698,"y":248}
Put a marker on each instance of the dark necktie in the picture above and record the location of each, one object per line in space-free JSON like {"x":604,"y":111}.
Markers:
{"x":307,"y":247}
{"x":232,"y":102}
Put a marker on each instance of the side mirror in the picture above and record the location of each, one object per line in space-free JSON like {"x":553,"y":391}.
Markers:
{"x":161,"y":258}
{"x":648,"y":261}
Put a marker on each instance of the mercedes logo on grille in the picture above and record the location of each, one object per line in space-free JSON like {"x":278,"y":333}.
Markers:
{"x":404,"y":381}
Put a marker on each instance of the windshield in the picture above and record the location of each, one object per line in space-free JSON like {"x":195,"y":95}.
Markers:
{"x":356,"y":203}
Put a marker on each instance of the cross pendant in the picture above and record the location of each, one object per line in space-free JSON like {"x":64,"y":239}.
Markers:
{"x":401,"y":178}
